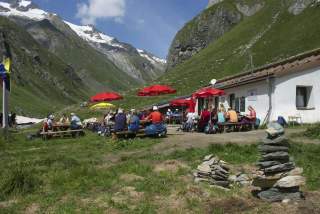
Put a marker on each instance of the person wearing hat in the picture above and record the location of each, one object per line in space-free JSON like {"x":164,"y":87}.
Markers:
{"x":157,"y":127}
{"x":155,"y":116}
{"x":50,"y":122}
{"x":120,"y":121}
{"x":75,"y":122}
{"x":134,"y":122}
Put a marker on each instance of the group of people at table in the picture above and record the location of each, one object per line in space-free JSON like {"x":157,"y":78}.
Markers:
{"x":217,"y":118}
{"x":151,"y":123}
{"x":64,"y":123}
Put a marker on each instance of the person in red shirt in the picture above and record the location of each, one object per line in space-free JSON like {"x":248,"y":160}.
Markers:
{"x":155,"y":117}
{"x":157,"y":128}
{"x":204,"y":119}
{"x":252,"y":114}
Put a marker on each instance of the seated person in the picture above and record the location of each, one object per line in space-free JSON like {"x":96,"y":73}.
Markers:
{"x":75,"y":122}
{"x":190,"y":121}
{"x":45,"y":127}
{"x":221,"y":118}
{"x":109,"y":119}
{"x":232,"y":116}
{"x":204,"y":119}
{"x":252,"y":116}
{"x":134,"y":122}
{"x":169,"y":115}
{"x":214,"y":116}
{"x":50,"y":122}
{"x":120,"y":121}
{"x":64,"y":119}
{"x":157,"y":127}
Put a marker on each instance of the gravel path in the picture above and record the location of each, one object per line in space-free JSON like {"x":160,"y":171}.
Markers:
{"x":178,"y":140}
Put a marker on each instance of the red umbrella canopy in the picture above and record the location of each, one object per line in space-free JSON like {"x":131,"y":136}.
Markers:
{"x":181,"y":102}
{"x":208,"y":92}
{"x":156,"y":90}
{"x":190,"y":103}
{"x":106,"y":96}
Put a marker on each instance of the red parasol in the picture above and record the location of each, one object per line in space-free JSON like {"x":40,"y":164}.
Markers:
{"x":106,"y":96}
{"x":208,"y":92}
{"x":156,"y":90}
{"x":181,"y":102}
{"x":190,"y":103}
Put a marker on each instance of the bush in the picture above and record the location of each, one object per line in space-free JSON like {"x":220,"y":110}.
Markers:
{"x":313,"y":131}
{"x":19,"y":179}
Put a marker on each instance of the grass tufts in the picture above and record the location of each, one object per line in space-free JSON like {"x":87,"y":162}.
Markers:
{"x":20,"y":179}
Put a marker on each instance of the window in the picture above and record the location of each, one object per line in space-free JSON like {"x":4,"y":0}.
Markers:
{"x":216,"y":102}
{"x":240,"y":104}
{"x":303,"y":97}
{"x":232,"y":100}
{"x":237,"y":104}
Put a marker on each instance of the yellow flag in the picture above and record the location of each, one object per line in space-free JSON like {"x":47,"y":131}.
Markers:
{"x":7,"y":64}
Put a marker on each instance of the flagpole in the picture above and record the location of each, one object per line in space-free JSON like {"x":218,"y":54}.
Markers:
{"x":5,"y":124}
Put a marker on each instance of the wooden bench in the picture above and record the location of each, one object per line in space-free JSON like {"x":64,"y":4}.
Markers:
{"x":128,"y":134}
{"x":238,"y":126}
{"x":62,"y":134}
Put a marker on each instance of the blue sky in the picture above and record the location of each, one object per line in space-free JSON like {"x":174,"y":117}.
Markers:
{"x":146,"y":24}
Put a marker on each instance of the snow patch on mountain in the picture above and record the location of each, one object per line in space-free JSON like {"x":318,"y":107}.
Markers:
{"x":31,"y":13}
{"x":89,"y":34}
{"x":24,"y":3}
{"x":151,"y":58}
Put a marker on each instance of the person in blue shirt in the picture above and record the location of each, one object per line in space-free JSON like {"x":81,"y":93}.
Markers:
{"x":221,"y":117}
{"x":75,"y":122}
{"x":134,"y":122}
{"x":120,"y":121}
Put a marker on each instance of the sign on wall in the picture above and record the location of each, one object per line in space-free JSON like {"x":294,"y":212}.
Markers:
{"x":252,"y":95}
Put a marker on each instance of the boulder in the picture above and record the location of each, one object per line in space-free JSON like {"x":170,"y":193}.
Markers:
{"x":204,"y":168}
{"x":265,"y":181}
{"x":280,"y":141}
{"x":279,"y":168}
{"x":296,"y":171}
{"x":275,"y":195}
{"x":208,"y":157}
{"x":274,"y":130}
{"x":270,"y":149}
{"x":291,"y":181}
{"x":266,"y":164}
{"x":283,"y":156}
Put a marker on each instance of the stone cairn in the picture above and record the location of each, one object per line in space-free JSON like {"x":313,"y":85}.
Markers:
{"x":214,"y":171}
{"x":277,"y":176}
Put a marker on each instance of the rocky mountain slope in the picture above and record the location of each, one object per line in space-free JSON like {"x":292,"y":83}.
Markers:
{"x":271,"y":32}
{"x":124,"y":56}
{"x":40,"y":81}
{"x":209,"y":26}
{"x":98,"y":61}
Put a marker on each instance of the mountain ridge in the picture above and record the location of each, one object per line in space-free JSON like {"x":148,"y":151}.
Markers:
{"x":107,"y":45}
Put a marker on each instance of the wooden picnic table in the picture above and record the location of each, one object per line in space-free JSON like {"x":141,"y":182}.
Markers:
{"x":60,"y":127}
{"x":62,"y":131}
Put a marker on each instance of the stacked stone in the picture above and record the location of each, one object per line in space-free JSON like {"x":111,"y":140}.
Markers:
{"x":214,"y":171}
{"x":277,"y":176}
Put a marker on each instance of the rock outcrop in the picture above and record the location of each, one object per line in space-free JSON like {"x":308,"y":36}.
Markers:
{"x":277,"y":176}
{"x":219,"y":18}
{"x":214,"y":171}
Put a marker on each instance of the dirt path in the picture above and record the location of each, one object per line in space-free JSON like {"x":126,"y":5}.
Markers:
{"x":178,"y":140}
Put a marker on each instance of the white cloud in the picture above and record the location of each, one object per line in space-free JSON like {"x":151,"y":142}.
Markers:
{"x":101,"y":9}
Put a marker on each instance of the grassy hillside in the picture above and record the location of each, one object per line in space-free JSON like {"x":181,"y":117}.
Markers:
{"x":98,"y":72}
{"x":41,"y":82}
{"x":45,"y":82}
{"x":270,"y":35}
